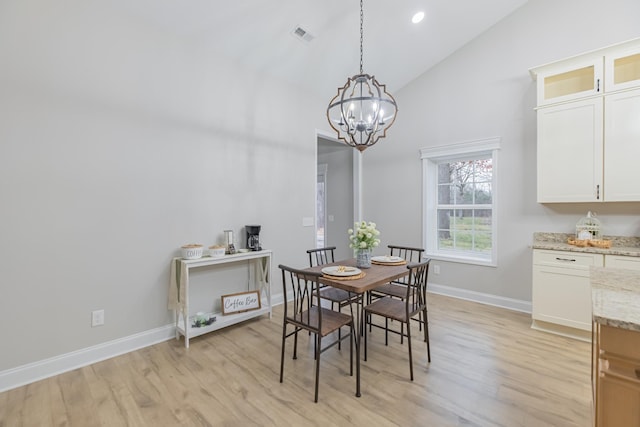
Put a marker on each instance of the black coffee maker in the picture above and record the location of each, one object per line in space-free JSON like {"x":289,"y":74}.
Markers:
{"x":253,"y":237}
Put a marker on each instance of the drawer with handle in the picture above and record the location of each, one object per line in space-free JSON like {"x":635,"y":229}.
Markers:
{"x":578,"y":260}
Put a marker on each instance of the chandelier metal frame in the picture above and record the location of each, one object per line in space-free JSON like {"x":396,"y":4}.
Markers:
{"x":363,"y":110}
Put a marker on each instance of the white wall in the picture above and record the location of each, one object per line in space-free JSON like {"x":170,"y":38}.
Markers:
{"x":484,"y":90}
{"x":118,"y":144}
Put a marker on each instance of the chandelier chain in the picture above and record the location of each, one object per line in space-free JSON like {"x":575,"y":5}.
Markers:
{"x":362,"y":110}
{"x":361,"y":34}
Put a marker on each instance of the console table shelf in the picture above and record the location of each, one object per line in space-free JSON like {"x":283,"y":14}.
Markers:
{"x":259,"y":273}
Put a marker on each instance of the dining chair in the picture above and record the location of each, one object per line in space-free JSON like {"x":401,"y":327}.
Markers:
{"x":320,"y":256}
{"x":299,"y":289}
{"x":339,"y":297}
{"x":397,"y":288}
{"x":414,"y":303}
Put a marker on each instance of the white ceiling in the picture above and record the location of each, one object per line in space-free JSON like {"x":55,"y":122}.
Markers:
{"x":258,"y":34}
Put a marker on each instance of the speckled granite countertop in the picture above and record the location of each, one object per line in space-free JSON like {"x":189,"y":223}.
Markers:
{"x":616,"y":297}
{"x":628,"y":246}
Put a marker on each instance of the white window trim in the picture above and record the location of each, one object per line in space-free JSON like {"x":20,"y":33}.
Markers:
{"x":430,"y":156}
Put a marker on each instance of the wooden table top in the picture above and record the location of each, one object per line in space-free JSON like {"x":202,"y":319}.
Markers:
{"x":375,"y":276}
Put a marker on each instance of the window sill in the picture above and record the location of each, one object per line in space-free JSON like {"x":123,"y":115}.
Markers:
{"x":461,"y":259}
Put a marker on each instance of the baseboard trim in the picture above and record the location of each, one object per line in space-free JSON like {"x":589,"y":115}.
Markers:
{"x":482,"y":298}
{"x":46,"y":368}
{"x":565,"y":331}
{"x":36,"y":371}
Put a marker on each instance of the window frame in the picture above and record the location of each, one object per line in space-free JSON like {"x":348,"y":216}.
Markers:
{"x":431,"y":157}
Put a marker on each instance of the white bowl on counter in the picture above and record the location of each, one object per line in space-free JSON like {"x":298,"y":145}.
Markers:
{"x":216,"y":252}
{"x":191,"y":251}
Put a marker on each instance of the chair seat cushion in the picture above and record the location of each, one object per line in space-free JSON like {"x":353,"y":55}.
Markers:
{"x":388,"y":307}
{"x":336,"y":295}
{"x":398,"y":291}
{"x":331,"y":320}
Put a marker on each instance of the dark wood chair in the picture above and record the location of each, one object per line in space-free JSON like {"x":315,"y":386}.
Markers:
{"x":337,"y":297}
{"x":413,"y":303}
{"x":397,"y":288}
{"x":321,"y":256}
{"x":299,"y":289}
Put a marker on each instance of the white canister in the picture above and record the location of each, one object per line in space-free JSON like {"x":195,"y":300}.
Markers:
{"x":191,"y":251}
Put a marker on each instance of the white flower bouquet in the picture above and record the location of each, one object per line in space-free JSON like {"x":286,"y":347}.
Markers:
{"x":364,"y":235}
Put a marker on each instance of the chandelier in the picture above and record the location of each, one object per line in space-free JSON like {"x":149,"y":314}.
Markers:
{"x":363,"y":110}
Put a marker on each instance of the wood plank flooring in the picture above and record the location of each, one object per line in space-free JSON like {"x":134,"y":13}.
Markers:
{"x":488,"y":369}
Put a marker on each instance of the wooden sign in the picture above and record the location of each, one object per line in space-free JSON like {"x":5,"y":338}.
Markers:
{"x":243,"y":301}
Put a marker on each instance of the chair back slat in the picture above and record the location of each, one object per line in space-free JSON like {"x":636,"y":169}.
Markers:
{"x":321,"y":256}
{"x":416,"y":298}
{"x":411,"y":255}
{"x":299,"y":289}
{"x":408,"y":253}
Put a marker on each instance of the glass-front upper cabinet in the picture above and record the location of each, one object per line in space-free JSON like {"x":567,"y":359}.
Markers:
{"x":622,"y":70}
{"x":569,"y":80}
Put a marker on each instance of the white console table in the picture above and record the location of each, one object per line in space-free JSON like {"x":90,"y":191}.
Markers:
{"x":259,"y":273}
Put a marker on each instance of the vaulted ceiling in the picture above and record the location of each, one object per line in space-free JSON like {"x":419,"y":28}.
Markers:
{"x":259,"y":34}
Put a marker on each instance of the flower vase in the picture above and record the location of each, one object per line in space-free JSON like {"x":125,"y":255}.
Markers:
{"x":363,"y":258}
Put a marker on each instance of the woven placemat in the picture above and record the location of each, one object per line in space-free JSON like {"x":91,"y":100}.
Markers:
{"x":403,"y":262}
{"x":356,"y":277}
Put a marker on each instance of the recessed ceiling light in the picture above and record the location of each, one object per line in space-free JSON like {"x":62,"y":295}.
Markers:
{"x":417,"y":17}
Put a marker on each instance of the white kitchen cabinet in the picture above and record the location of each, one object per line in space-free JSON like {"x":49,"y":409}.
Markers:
{"x":572,"y":80}
{"x":570,"y":151}
{"x":619,"y":261}
{"x":622,"y":146}
{"x":588,"y":133}
{"x":561,"y":292}
{"x":622,"y":69}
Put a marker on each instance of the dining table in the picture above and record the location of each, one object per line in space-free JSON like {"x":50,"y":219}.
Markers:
{"x":372,"y":277}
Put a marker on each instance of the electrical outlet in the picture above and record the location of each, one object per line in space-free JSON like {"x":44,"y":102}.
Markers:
{"x":97,"y":318}
{"x":436,"y":269}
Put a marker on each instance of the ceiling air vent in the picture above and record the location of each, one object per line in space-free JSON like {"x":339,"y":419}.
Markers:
{"x":302,"y":34}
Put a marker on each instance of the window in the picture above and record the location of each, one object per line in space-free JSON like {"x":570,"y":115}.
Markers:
{"x":459,"y":193}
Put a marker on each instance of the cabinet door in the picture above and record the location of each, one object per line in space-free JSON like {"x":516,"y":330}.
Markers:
{"x":570,"y":152}
{"x":618,"y":402}
{"x":561,"y":292}
{"x":622,"y":146}
{"x":577,"y":79}
{"x":619,"y":261}
{"x":618,"y":388}
{"x":623,"y":70}
{"x":562,"y":296}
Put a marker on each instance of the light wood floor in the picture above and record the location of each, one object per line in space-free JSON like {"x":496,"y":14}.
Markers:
{"x":488,"y":369}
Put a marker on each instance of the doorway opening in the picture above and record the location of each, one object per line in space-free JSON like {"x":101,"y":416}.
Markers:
{"x":337,"y":194}
{"x":321,"y":205}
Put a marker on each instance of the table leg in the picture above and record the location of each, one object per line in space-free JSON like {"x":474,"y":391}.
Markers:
{"x":358,"y":340}
{"x":186,"y":330}
{"x":177,"y":315}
